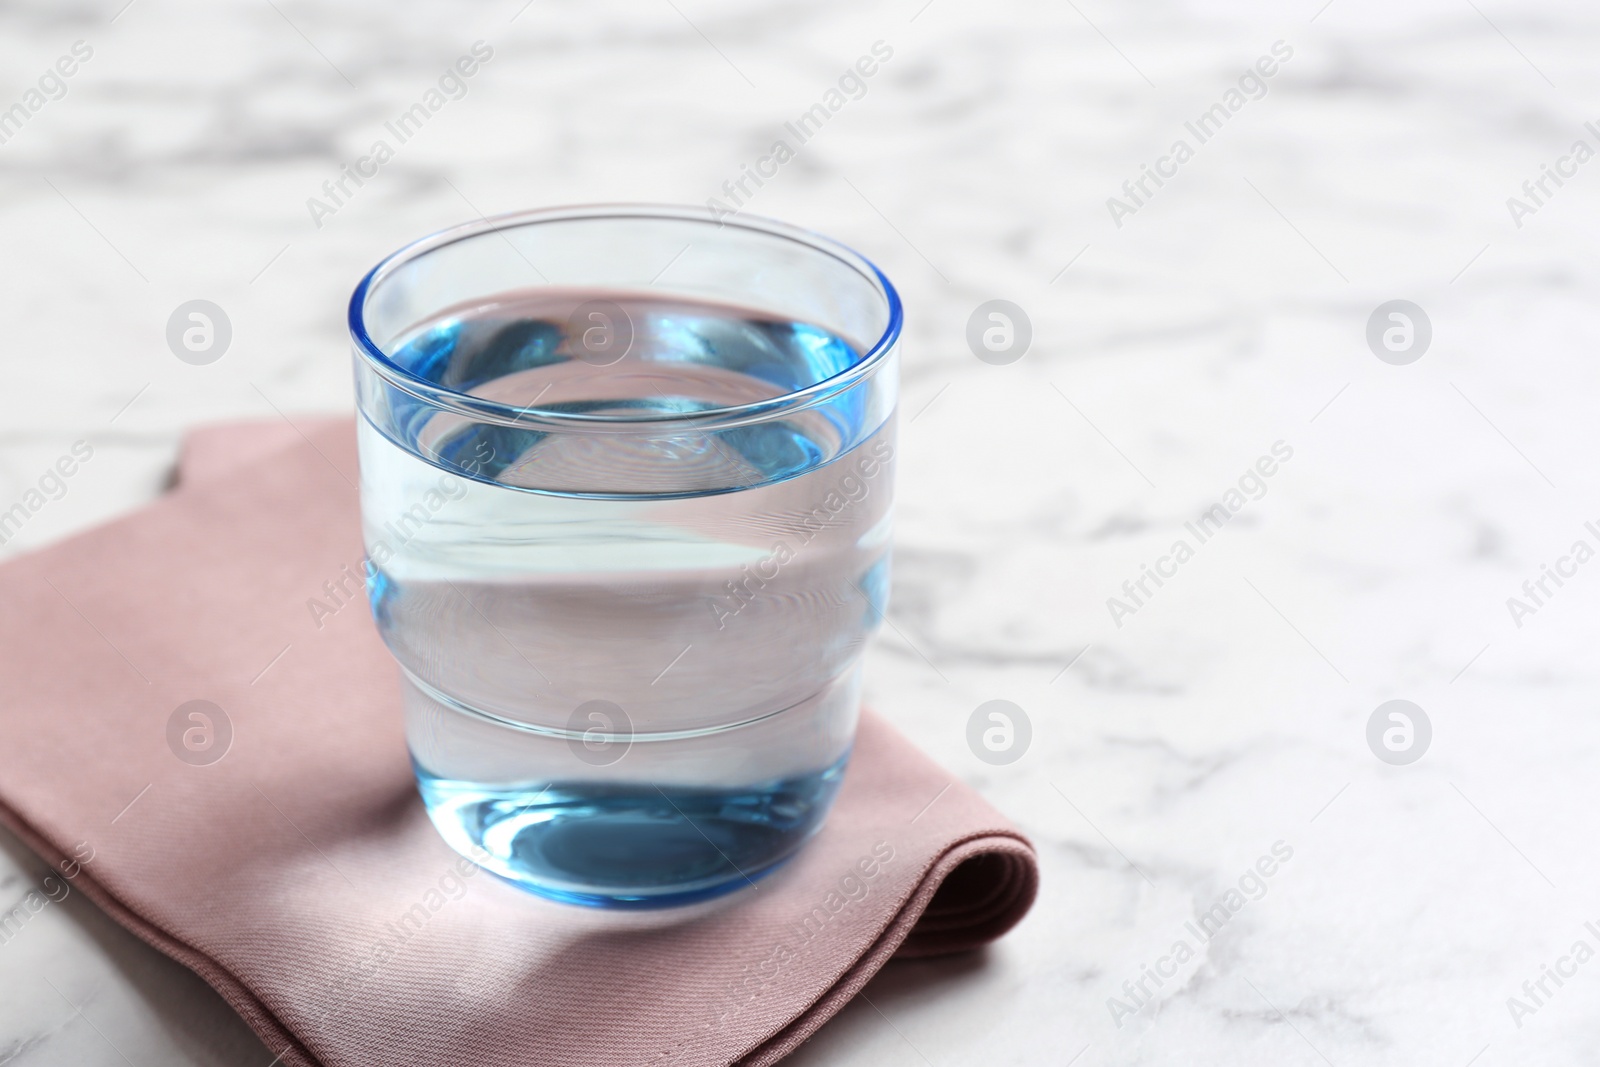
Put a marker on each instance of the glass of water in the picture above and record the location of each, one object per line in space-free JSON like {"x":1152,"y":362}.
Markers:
{"x":625,"y":488}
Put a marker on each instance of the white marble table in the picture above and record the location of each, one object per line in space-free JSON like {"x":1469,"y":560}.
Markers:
{"x":1225,"y":714}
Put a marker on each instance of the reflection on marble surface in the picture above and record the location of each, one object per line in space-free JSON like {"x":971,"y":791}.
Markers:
{"x":1173,"y":746}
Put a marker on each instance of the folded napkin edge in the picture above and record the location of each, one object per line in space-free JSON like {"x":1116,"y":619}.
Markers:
{"x":892,"y":940}
{"x":234,"y":992}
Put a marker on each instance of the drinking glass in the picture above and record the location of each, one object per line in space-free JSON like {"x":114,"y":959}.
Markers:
{"x":626,"y":475}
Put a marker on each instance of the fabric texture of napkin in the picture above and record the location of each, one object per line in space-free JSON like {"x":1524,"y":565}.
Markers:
{"x":298,"y":873}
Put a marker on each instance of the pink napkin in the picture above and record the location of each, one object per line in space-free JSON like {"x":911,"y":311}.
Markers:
{"x":299,"y":875}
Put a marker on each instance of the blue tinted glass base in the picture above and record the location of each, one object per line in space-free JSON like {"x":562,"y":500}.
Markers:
{"x":631,"y":844}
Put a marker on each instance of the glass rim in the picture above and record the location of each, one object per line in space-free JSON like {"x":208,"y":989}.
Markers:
{"x":495,"y":412}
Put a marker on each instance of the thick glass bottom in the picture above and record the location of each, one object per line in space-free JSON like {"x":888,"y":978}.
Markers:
{"x":621,"y":844}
